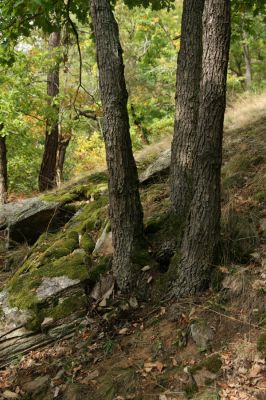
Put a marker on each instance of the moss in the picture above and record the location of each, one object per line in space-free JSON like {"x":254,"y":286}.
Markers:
{"x":261,"y":196}
{"x":59,"y":249}
{"x":261,"y":343}
{"x":213,"y":364}
{"x":190,"y":390}
{"x":60,"y":197}
{"x":84,"y":189}
{"x":91,"y":216}
{"x":87,"y":243}
{"x":102,"y":265}
{"x":140,"y":256}
{"x":22,"y":288}
{"x":154,"y":224}
{"x":58,"y":310}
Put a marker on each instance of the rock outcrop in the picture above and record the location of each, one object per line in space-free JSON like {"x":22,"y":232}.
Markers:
{"x":46,"y":296}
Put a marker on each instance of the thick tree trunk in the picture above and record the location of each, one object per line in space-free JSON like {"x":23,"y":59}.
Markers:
{"x":61,"y":154}
{"x":47,"y":175}
{"x":3,"y":170}
{"x":203,"y":224}
{"x":125,"y":207}
{"x":187,"y":104}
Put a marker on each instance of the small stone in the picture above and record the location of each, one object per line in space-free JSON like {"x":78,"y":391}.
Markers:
{"x":48,"y":321}
{"x":10,"y":395}
{"x":133,"y":302}
{"x":202,"y":334}
{"x":146,"y":268}
{"x":36,"y":384}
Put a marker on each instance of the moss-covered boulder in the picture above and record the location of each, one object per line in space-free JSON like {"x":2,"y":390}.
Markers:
{"x":46,"y":297}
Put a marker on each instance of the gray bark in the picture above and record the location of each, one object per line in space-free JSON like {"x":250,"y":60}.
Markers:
{"x":47,"y":175}
{"x":124,"y":201}
{"x":203,"y":225}
{"x":187,"y":104}
{"x":3,"y":169}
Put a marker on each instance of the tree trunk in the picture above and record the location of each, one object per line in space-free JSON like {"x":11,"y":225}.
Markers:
{"x":47,"y":176}
{"x":187,"y":104}
{"x":3,"y":170}
{"x":125,"y":208}
{"x":61,"y":154}
{"x":140,"y":128}
{"x":203,"y":225}
{"x":247,"y":60}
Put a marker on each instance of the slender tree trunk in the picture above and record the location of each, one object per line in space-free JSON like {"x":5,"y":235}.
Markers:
{"x":126,"y":214}
{"x":187,"y":104}
{"x":61,"y":154}
{"x":247,"y":61}
{"x":3,"y":170}
{"x":47,"y":175}
{"x":141,"y":129}
{"x":203,"y":224}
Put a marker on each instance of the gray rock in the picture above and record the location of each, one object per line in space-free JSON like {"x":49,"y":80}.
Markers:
{"x":36,"y":384}
{"x":10,"y":395}
{"x":75,"y":391}
{"x":104,"y":246}
{"x":12,"y":319}
{"x":27,"y":219}
{"x":159,"y":167}
{"x":51,"y":286}
{"x":202,"y":334}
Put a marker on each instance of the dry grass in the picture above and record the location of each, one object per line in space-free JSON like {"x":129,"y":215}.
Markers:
{"x":245,"y":110}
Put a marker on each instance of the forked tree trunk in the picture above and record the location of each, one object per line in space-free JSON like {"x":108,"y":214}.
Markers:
{"x":3,"y":170}
{"x":126,"y":214}
{"x":47,"y":175}
{"x":187,"y":104}
{"x":203,"y":225}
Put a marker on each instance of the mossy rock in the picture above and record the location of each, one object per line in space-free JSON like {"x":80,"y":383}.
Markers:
{"x":60,"y":308}
{"x":22,"y":288}
{"x":261,"y":343}
{"x":84,"y":189}
{"x":60,"y":248}
{"x":213,"y":364}
{"x":91,"y":217}
{"x":102,"y":265}
{"x":86,"y":243}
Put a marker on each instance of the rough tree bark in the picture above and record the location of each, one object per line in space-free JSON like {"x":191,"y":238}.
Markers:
{"x":47,"y":175}
{"x":63,"y":143}
{"x":187,"y":104}
{"x":203,"y":225}
{"x":125,"y":208}
{"x":3,"y":169}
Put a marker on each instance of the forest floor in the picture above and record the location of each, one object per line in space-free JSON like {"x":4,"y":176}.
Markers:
{"x":206,"y":348}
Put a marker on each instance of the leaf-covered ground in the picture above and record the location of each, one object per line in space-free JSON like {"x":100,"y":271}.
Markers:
{"x":205,"y":348}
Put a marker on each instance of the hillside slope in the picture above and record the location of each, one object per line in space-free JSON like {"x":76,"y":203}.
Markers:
{"x":106,"y":346}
